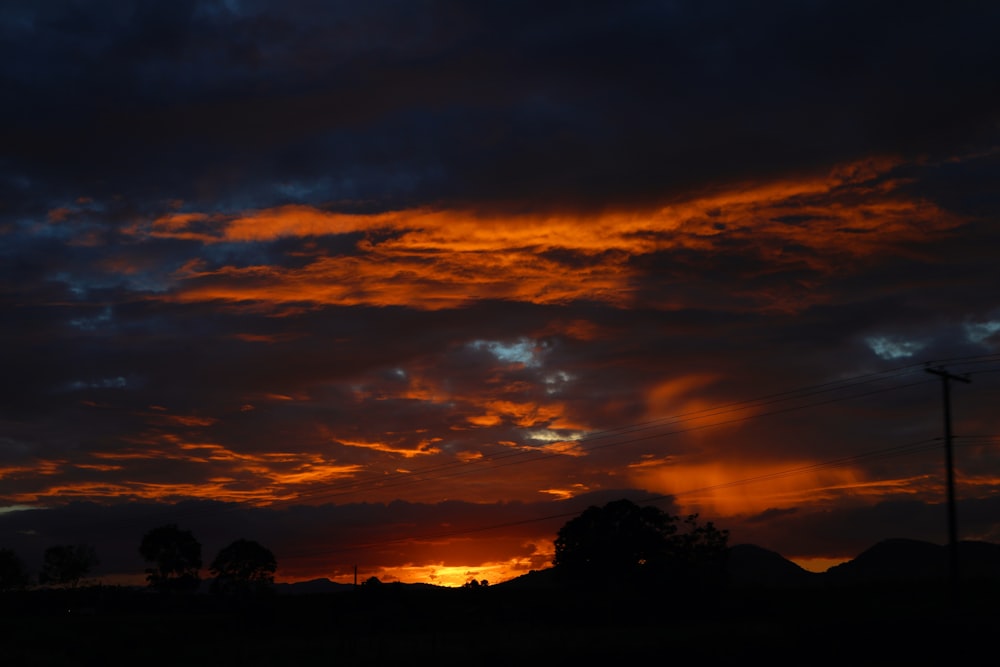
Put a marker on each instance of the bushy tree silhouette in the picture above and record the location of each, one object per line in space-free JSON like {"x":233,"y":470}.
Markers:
{"x":13,"y":574}
{"x":243,"y":569}
{"x":623,"y":545}
{"x":66,"y":565}
{"x":176,"y":555}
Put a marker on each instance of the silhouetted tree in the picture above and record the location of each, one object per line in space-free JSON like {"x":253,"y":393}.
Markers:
{"x":177,"y":558}
{"x":623,"y":545}
{"x":66,"y":565}
{"x":13,"y":574}
{"x":244,"y":568}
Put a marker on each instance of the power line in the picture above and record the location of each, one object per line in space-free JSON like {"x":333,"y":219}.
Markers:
{"x":462,"y":468}
{"x":897,"y":450}
{"x":591,"y":442}
{"x":532,"y":455}
{"x":526,"y":455}
{"x":923,"y":445}
{"x":594,"y":441}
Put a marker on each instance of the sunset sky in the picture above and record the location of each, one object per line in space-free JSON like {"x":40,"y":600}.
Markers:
{"x":404,"y":286}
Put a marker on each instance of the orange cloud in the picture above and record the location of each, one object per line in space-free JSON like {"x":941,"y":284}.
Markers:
{"x":209,"y":490}
{"x":179,"y":225}
{"x":433,"y":281}
{"x":186,"y":420}
{"x":423,"y":449}
{"x":443,"y":259}
{"x":674,"y":397}
{"x":524,"y":415}
{"x":565,"y":494}
{"x":42,"y":467}
{"x":315,"y":469}
{"x":722,"y":489}
{"x":228,"y":475}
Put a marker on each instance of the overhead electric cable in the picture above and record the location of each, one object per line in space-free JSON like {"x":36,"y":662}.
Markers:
{"x":520,"y":456}
{"x":897,"y":450}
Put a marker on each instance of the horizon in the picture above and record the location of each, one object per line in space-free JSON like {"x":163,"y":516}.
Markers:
{"x":404,"y":286}
{"x":139,"y":581}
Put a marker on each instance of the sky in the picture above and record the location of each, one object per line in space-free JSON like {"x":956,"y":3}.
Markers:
{"x":396,"y":289}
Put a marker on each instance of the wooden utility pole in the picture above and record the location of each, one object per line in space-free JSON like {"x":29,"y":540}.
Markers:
{"x":946,"y":377}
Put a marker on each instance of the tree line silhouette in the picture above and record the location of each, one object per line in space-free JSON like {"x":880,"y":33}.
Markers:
{"x":241,"y":569}
{"x":620,"y":546}
{"x":627,"y":583}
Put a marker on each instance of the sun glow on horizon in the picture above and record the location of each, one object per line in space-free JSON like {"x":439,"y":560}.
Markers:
{"x":453,"y":571}
{"x":818,"y":564}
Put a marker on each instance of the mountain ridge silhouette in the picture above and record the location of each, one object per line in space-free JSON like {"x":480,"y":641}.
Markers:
{"x":893,"y":560}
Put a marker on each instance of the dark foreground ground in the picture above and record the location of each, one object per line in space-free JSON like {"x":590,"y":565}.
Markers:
{"x":898,"y":625}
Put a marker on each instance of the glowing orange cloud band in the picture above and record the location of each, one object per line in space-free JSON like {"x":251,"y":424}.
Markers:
{"x":444,"y":259}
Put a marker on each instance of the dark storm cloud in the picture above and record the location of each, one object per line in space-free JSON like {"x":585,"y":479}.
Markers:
{"x":436,"y":101}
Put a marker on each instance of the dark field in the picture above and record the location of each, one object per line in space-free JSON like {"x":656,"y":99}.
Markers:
{"x":896,"y":625}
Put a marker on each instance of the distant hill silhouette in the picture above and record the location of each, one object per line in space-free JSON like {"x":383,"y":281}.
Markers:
{"x":756,"y":566}
{"x":898,"y":560}
{"x":534,"y":580}
{"x":311,"y":587}
{"x":748,"y":565}
{"x":324,"y":585}
{"x":888,"y":561}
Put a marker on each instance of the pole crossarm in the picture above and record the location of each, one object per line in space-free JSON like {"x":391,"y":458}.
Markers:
{"x":948,"y":376}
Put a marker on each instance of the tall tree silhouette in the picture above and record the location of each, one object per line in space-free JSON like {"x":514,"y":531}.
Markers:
{"x":66,"y":565}
{"x":243,"y":569}
{"x":623,"y":545}
{"x":176,"y":556}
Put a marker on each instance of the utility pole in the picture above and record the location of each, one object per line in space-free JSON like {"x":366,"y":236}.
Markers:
{"x":946,"y":377}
